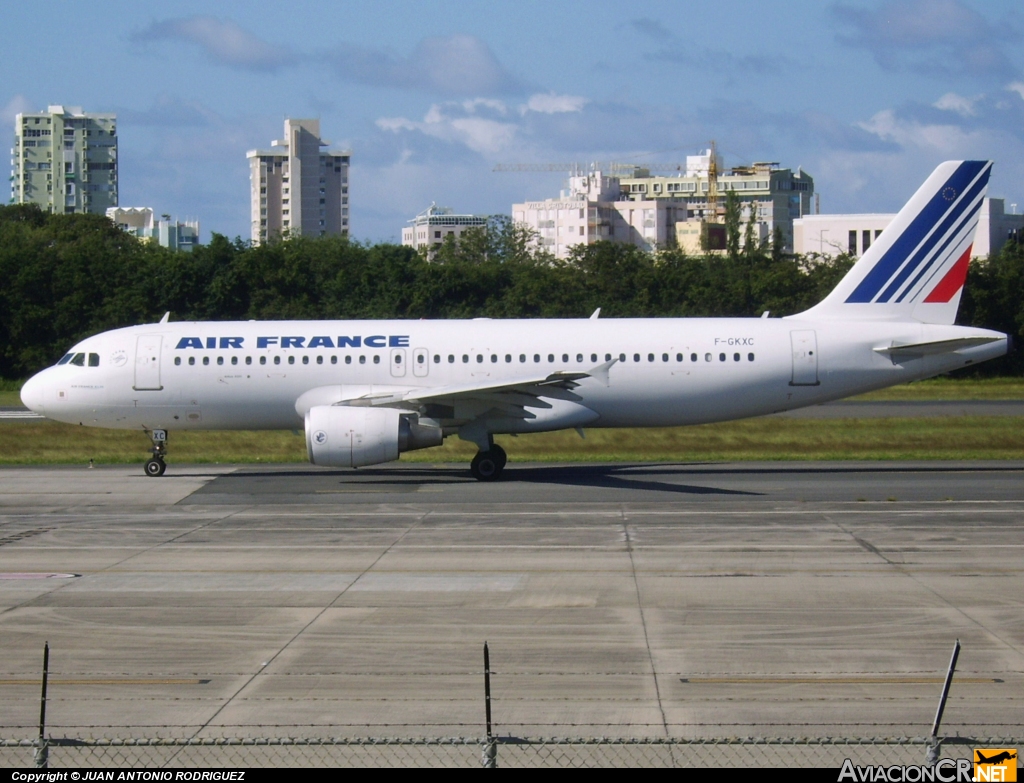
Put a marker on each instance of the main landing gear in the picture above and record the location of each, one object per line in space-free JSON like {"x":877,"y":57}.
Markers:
{"x":156,"y":466}
{"x":487,"y":465}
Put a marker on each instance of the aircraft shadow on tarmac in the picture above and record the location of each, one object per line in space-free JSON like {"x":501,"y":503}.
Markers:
{"x":631,"y":476}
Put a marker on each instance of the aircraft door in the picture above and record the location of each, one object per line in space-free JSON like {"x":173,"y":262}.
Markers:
{"x":805,"y":358}
{"x":420,"y":362}
{"x":147,"y":362}
{"x":398,"y":362}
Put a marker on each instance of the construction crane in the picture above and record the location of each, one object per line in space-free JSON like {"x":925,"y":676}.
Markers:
{"x":712,"y":202}
{"x":579,"y":168}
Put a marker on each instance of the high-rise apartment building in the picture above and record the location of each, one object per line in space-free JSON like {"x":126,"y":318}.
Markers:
{"x":296,"y":187}
{"x":65,"y":160}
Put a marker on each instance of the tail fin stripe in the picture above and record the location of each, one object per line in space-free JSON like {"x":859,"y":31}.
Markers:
{"x":915,"y":233}
{"x":970,"y":203}
{"x":957,"y":235}
{"x":953,"y":281}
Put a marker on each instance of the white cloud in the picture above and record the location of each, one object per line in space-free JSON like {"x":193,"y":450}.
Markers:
{"x":945,"y":139}
{"x":223,"y":41}
{"x":1017,"y":87}
{"x":550,"y":103}
{"x":960,"y":104}
{"x":483,"y":135}
{"x":15,"y":106}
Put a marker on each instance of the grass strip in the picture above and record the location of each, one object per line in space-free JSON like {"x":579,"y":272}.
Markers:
{"x":772,"y":438}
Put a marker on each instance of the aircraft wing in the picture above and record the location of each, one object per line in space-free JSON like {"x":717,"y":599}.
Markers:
{"x":511,"y":397}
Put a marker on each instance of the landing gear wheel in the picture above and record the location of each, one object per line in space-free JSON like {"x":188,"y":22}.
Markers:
{"x":155,"y":467}
{"x":486,"y":466}
{"x":499,"y":454}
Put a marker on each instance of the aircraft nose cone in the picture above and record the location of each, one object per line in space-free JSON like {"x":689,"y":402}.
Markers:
{"x":33,"y":393}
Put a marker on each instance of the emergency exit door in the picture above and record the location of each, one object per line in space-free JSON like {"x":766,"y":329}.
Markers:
{"x":805,"y":358}
{"x":147,"y":362}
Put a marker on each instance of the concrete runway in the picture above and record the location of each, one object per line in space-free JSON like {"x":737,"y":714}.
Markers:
{"x":784,"y":599}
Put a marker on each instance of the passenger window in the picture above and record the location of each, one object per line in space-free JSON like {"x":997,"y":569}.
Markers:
{"x":419,"y":358}
{"x":650,"y":357}
{"x":536,"y":357}
{"x":206,"y":360}
{"x":398,"y":358}
{"x":376,"y":359}
{"x":679,"y":357}
{"x":707,"y":357}
{"x":522,"y":358}
{"x":291,"y":360}
{"x":277,"y":360}
{"x":721,"y":357}
{"x":65,"y":359}
{"x":622,"y":357}
{"x":664,"y":357}
{"x":593,"y":357}
{"x":248,"y":360}
{"x":494,"y":358}
{"x":451,"y":359}
{"x":437,"y":358}
{"x":579,"y":357}
{"x":735,"y":357}
{"x":94,"y":360}
{"x":334,"y":360}
{"x":220,"y":360}
{"x":177,"y":361}
{"x":78,"y":360}
{"x":750,"y":357}
{"x":636,"y":357}
{"x":348,"y":360}
{"x":479,"y":359}
{"x":465,"y":358}
{"x":305,"y":360}
{"x":508,"y":358}
{"x":607,"y":357}
{"x":263,"y":360}
{"x":319,"y":360}
{"x":693,"y":357}
{"x":565,"y":358}
{"x":551,"y":357}
{"x":191,"y":361}
{"x":362,"y":360}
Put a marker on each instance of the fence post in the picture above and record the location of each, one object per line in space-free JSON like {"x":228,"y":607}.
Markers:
{"x":490,"y":759}
{"x":40,"y":756}
{"x":932,"y":754}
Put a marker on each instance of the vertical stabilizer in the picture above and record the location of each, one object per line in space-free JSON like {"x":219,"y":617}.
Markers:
{"x":916,"y":269}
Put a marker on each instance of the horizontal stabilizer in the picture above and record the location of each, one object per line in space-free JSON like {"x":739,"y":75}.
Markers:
{"x":934,"y":348}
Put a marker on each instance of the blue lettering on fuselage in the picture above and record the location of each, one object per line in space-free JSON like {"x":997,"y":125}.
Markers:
{"x":319,"y":341}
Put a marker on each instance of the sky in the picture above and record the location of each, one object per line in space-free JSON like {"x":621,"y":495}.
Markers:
{"x":867,"y":96}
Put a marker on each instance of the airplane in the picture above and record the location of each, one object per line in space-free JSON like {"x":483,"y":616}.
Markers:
{"x":367,"y":391}
{"x":996,"y":759}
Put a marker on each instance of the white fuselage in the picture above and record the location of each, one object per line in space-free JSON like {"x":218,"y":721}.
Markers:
{"x":250,"y":375}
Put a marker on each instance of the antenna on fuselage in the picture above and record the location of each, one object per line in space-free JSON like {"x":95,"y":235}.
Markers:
{"x":166,"y":318}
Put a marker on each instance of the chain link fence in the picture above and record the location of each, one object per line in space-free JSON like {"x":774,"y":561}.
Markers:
{"x":505,"y":751}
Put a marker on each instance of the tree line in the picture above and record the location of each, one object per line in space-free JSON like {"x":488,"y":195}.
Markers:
{"x":69,"y":276}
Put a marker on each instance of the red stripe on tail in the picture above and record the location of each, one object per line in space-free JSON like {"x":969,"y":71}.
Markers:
{"x":953,"y":281}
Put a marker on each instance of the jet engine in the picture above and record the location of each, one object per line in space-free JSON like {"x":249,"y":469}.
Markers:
{"x":344,"y":436}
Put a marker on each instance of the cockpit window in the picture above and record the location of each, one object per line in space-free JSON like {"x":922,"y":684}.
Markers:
{"x":78,"y":360}
{"x":94,"y":360}
{"x":65,"y":359}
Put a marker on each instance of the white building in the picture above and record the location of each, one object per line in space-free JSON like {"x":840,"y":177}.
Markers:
{"x":65,"y":160}
{"x":139,"y":222}
{"x":296,"y":188}
{"x":594,"y":209}
{"x":435,"y":224}
{"x":834,"y":234}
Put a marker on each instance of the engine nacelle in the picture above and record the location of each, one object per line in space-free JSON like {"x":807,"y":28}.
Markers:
{"x":344,"y":436}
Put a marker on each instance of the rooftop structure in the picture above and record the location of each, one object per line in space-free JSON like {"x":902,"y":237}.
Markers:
{"x":172,"y":234}
{"x":65,"y":160}
{"x":435,"y":224}
{"x":296,"y":188}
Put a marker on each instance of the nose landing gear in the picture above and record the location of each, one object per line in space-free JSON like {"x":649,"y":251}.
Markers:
{"x":487,"y":465}
{"x":156,"y":466}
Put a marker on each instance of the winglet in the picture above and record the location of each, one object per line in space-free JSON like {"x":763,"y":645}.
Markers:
{"x":594,"y":315}
{"x":601,"y":372}
{"x":166,"y":318}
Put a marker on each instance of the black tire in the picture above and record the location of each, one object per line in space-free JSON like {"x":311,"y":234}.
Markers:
{"x":486,"y":466}
{"x":499,"y":455}
{"x":155,"y":468}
